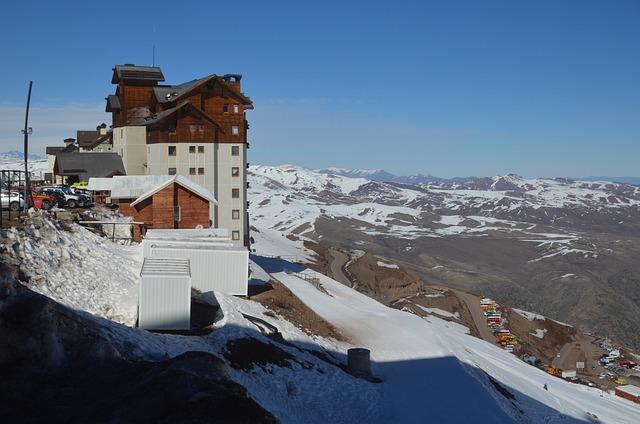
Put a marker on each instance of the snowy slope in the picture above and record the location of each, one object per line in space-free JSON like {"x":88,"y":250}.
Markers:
{"x":431,"y":363}
{"x":432,"y":370}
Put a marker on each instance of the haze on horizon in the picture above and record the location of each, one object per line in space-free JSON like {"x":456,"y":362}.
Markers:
{"x":449,"y":89}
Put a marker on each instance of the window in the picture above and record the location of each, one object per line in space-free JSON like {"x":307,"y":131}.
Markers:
{"x":236,"y":109}
{"x":235,"y":193}
{"x":192,"y":149}
{"x":235,"y":214}
{"x":235,"y":171}
{"x":225,"y":108}
{"x":235,"y":150}
{"x":176,"y":213}
{"x":201,"y":129}
{"x":172,"y":150}
{"x":200,"y":149}
{"x":172,"y":171}
{"x":235,"y":130}
{"x":235,"y":235}
{"x":200,"y":171}
{"x":192,"y":171}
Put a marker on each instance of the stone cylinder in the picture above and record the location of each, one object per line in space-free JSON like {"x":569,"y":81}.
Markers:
{"x":359,"y":362}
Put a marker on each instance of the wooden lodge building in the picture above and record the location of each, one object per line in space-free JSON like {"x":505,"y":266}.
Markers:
{"x":197,"y":129}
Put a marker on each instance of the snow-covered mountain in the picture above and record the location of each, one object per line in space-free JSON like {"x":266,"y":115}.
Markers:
{"x":14,"y":160}
{"x":381,"y":175}
{"x":427,"y":369}
{"x":16,"y":155}
{"x":506,"y":236}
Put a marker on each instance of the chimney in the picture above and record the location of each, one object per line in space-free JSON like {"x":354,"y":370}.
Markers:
{"x":69,"y":141}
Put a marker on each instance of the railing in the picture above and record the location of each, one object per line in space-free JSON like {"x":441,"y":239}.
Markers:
{"x":310,"y":278}
{"x":113,"y":232}
{"x":289,"y":258}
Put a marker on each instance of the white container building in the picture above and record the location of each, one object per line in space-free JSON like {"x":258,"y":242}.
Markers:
{"x":164,"y":301}
{"x":185,"y":237}
{"x":213,"y":267}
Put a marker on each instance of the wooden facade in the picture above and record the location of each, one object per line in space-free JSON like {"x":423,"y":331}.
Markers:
{"x":159,"y":210}
{"x":219,"y":104}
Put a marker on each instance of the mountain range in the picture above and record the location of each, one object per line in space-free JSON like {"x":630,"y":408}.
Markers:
{"x":381,"y":175}
{"x":567,"y":249}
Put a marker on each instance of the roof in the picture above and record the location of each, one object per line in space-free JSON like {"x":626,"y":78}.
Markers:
{"x":165,"y":267}
{"x":630,"y":389}
{"x":171,"y":93}
{"x":113,"y":103}
{"x":54,"y":150}
{"x":187,"y":234}
{"x":87,"y":138}
{"x":159,"y":117}
{"x":184,"y":182}
{"x":88,"y":164}
{"x":133,"y":186}
{"x":137,"y":73}
{"x":100,"y":184}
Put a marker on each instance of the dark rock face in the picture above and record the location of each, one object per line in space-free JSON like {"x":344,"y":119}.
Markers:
{"x":59,"y":366}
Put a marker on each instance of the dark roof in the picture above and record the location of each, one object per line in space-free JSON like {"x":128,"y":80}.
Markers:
{"x":137,"y":73}
{"x":113,"y":103}
{"x":171,"y":93}
{"x":53,"y":150}
{"x":185,"y":106}
{"x":88,"y":165}
{"x":87,"y":138}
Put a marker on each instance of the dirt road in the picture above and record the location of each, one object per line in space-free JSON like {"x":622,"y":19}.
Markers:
{"x":581,"y":350}
{"x":477,"y":314}
{"x":337,"y":259}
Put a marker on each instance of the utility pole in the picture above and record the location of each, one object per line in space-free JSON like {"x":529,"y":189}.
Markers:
{"x":27,"y":130}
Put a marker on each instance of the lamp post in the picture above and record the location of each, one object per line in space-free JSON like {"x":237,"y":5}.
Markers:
{"x":26,"y":131}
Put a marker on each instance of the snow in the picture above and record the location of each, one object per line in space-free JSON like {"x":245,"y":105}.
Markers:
{"x":529,"y":315}
{"x":441,"y":312}
{"x":411,"y":354}
{"x":539,"y":333}
{"x":80,"y":269}
{"x":387,"y":265}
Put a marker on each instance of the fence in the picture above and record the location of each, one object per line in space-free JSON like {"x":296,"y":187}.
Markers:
{"x":12,"y":181}
{"x":113,"y":232}
{"x":310,"y":278}
{"x":296,"y":259}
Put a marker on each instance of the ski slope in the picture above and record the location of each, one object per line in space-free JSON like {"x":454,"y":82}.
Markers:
{"x":433,"y":370}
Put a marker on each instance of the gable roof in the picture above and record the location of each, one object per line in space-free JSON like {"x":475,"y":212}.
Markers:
{"x":184,"y":182}
{"x":87,"y":164}
{"x":113,"y":103}
{"x":86,"y":138}
{"x":159,"y":117}
{"x":172,"y":93}
{"x":137,"y":73}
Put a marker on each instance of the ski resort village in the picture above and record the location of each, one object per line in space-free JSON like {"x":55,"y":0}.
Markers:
{"x":149,"y":274}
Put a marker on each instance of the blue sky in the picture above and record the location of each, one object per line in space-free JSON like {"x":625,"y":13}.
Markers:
{"x":538,"y":88}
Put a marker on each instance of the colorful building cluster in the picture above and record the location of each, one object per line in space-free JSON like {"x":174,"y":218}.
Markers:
{"x":497,"y":324}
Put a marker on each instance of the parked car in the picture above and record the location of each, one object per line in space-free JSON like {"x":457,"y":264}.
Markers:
{"x":43,"y":201}
{"x":58,"y":198}
{"x":11,"y":200}
{"x":72,"y":199}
